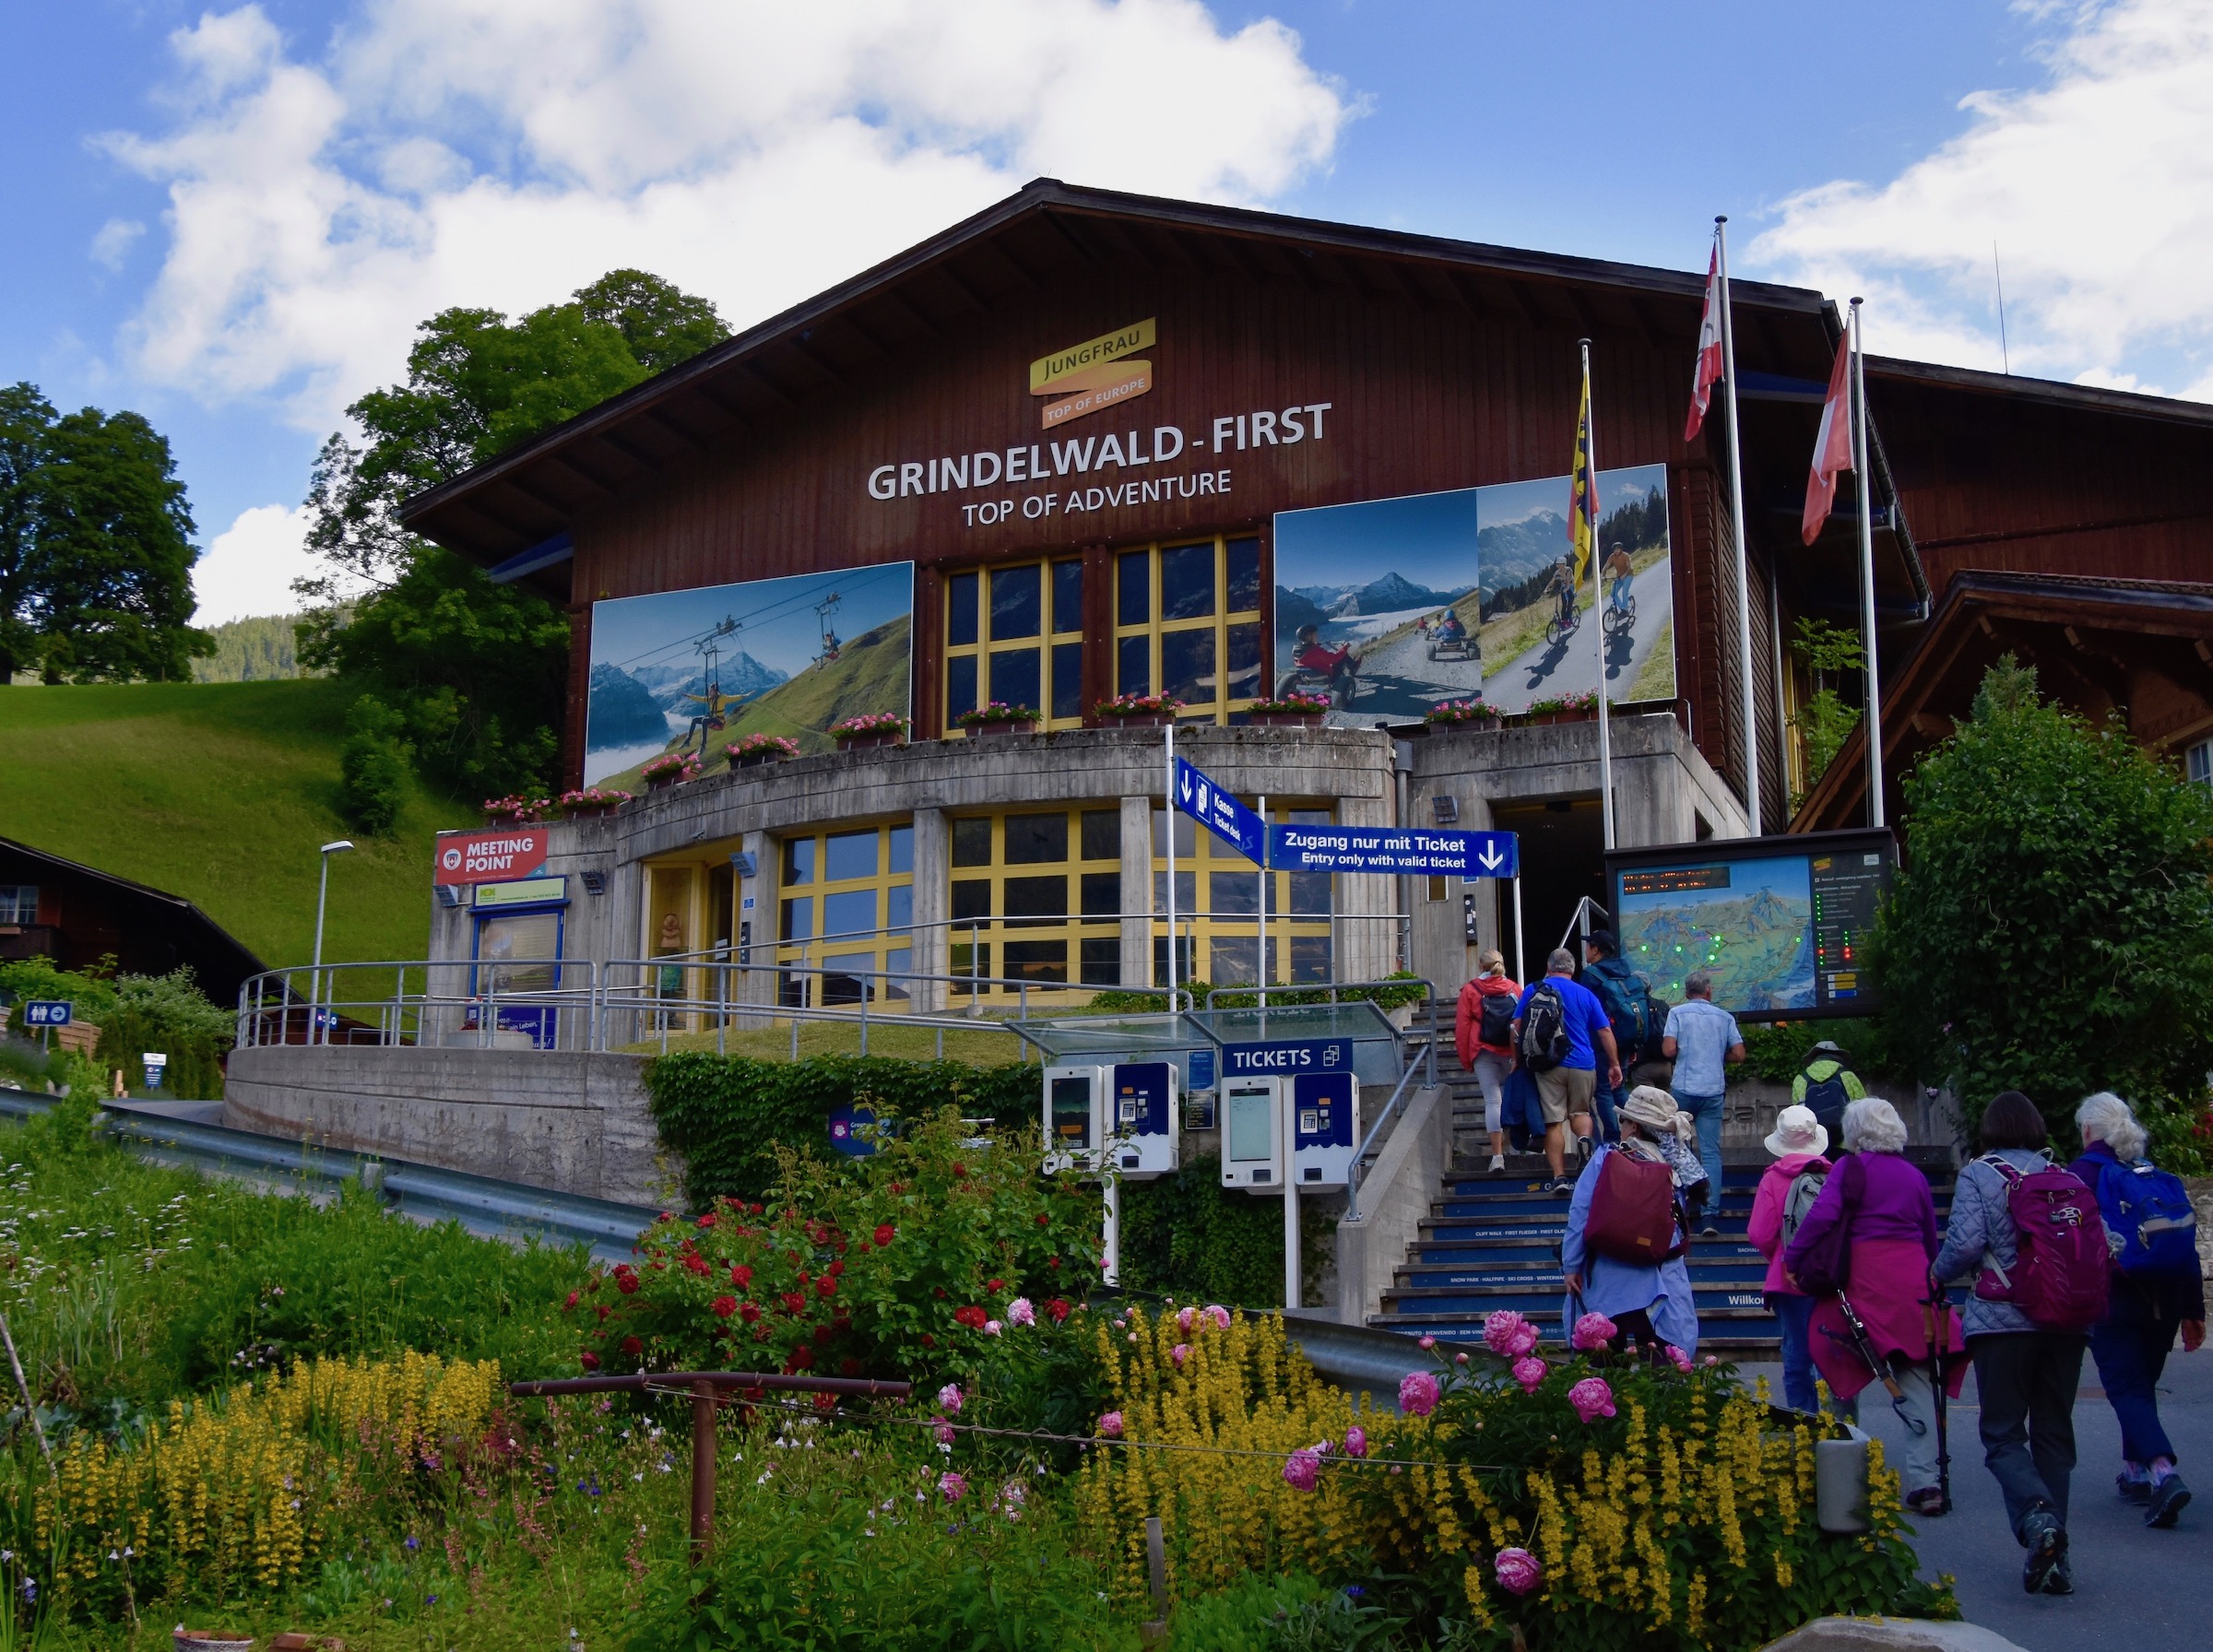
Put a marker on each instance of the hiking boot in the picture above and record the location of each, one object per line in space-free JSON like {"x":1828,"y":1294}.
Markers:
{"x":2061,"y":1579}
{"x":1928,"y":1501}
{"x":2168,"y":1498}
{"x":2046,"y":1540}
{"x":2134,"y":1488}
{"x":1497,"y":1165}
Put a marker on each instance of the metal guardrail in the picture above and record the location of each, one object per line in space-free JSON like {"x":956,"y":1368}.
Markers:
{"x":1372,"y":1142}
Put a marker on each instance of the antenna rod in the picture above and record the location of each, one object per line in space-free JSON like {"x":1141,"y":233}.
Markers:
{"x":2004,"y":354}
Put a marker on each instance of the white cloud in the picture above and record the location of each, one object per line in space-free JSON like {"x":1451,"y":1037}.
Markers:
{"x":2097,"y":188}
{"x":251,"y":566}
{"x":503,"y":152}
{"x":113,"y":240}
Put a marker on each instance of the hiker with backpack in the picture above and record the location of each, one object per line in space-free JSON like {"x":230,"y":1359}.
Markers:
{"x":1863,"y":1253}
{"x":1787,"y":1191}
{"x":2029,"y":1235}
{"x":1702,"y":1040}
{"x":1561,"y":1035}
{"x":2157,"y":1288}
{"x":1827,"y":1085}
{"x":1629,"y":1230}
{"x":1633,"y":1014}
{"x":1483,"y":1032}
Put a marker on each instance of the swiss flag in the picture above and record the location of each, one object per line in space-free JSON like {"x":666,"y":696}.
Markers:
{"x":1832,"y":446}
{"x":1707,"y":371}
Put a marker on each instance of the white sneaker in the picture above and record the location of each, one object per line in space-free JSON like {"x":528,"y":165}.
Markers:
{"x":1497,"y":1165}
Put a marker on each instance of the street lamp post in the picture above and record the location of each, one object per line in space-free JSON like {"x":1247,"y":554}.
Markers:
{"x":314,"y":999}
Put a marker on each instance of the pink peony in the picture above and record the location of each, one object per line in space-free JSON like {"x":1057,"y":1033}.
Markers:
{"x":1461,"y":1358}
{"x":1180,"y":1353}
{"x":1714,"y":1359}
{"x":1301,"y":1469}
{"x":1530,"y":1371}
{"x":1592,"y":1332}
{"x":992,"y":1328}
{"x":954,"y":1486}
{"x":1509,"y":1334}
{"x":1517,"y":1571}
{"x":1183,"y":1320}
{"x":1356,"y":1441}
{"x":1111,"y":1425}
{"x":1019,"y":1312}
{"x":949,"y":1400}
{"x":1427,"y":1343}
{"x":1682,"y":1360}
{"x":1591,"y":1399}
{"x":1417,"y":1393}
{"x":1219,"y":1314}
{"x":944,"y":1433}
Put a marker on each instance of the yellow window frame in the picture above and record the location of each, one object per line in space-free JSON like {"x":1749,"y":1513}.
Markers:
{"x":1158,"y":631}
{"x":991,"y":934}
{"x":1055,"y":630}
{"x":1204,"y":929}
{"x":883,"y":953}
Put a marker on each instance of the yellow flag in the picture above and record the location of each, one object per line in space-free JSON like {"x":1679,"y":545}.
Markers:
{"x":1583,"y":492}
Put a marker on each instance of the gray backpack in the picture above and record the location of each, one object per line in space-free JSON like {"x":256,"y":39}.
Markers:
{"x":1804,"y":1188}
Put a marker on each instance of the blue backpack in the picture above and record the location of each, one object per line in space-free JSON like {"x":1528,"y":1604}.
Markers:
{"x":1521,"y":1110}
{"x":2151,"y":1225}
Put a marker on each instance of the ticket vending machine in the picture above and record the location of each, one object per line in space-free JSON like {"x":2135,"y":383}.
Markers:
{"x":1290,"y":1135}
{"x":1325,"y":1127}
{"x":1075,"y":1117}
{"x":1252,"y":1139}
{"x":1119,"y":1122}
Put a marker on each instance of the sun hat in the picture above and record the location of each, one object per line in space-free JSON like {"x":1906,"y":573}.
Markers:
{"x":1797,"y":1131}
{"x":1651,"y":1106}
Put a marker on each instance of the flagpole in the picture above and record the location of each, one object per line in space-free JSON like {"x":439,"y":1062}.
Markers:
{"x":1167,"y":811}
{"x":1598,"y":610}
{"x":1736,"y":515}
{"x":1871,"y":719}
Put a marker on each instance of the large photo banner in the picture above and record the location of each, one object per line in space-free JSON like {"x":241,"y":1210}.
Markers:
{"x":693,"y":670}
{"x":1393,"y":606}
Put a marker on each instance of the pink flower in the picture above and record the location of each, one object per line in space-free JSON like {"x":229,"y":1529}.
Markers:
{"x":1517,"y":1571}
{"x":1183,"y":1320}
{"x":953,"y":1487}
{"x":949,"y":1398}
{"x":1356,"y":1441}
{"x":1427,"y":1343}
{"x":1509,"y":1334}
{"x":1592,"y":1332}
{"x":944,"y":1433}
{"x":1111,"y":1425}
{"x":1219,"y":1314}
{"x":992,"y":1328}
{"x":1019,"y":1312}
{"x":1417,"y":1393}
{"x":1530,"y":1371}
{"x":1712,"y":1359}
{"x":1301,"y":1469}
{"x":1181,"y":1351}
{"x":1461,"y":1358}
{"x":1591,"y":1399}
{"x":1681,"y":1359}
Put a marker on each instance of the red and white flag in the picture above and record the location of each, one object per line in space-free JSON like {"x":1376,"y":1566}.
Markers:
{"x":1707,"y":372}
{"x":1832,"y":446}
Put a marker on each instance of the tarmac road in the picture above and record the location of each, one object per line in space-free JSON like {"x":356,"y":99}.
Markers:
{"x":1399,"y":680}
{"x":1568,"y":666}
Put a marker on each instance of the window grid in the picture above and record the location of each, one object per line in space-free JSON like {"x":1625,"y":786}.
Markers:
{"x":1211,"y":660}
{"x":19,"y":903}
{"x":1014,"y":632}
{"x":1214,"y":879}
{"x":845,"y":903}
{"x":1036,"y":896}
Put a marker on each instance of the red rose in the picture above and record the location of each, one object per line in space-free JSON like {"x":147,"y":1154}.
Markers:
{"x":836,"y":1268}
{"x":626,"y":1279}
{"x":822,"y":1333}
{"x":938,"y":1293}
{"x":801,"y":1357}
{"x":959,"y":1170}
{"x":1057,"y":1308}
{"x":996,"y":1286}
{"x":588,"y":1360}
{"x":724,"y":1306}
{"x":760,"y":1333}
{"x":741,"y":1276}
{"x":749,"y":1313}
{"x":1053,"y":1262}
{"x":971,"y":1317}
{"x":826,"y":1286}
{"x":1044,"y":1220}
{"x":929,"y":1340}
{"x":630,"y":1345}
{"x":696,"y":1263}
{"x":707,"y":1221}
{"x":794,"y":1302}
{"x":604,"y":1311}
{"x":806,"y":1278}
{"x":570,"y":1304}
{"x":897,"y":1188}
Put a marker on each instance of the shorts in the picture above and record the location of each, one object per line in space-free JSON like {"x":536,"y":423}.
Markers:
{"x":1566,"y":1090}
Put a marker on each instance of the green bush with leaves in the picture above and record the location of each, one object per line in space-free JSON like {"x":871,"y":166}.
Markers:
{"x":135,"y":1014}
{"x":2050,"y":930}
{"x":1185,"y":1235}
{"x":373,"y":767}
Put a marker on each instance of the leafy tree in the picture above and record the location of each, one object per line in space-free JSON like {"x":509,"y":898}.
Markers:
{"x":1824,"y":721}
{"x":96,"y":549}
{"x":2051,"y":929}
{"x":475,"y":669}
{"x":373,"y":767}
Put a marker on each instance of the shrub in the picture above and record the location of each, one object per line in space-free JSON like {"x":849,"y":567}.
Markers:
{"x":373,"y":767}
{"x":1188,"y":1234}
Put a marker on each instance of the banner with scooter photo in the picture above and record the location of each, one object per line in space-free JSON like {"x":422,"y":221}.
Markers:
{"x":1391,"y":606}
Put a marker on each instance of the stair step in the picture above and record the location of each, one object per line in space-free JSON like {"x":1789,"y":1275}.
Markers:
{"x":1491,"y":1271}
{"x":1484,"y":1299}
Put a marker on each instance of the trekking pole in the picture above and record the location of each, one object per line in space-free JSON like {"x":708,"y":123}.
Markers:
{"x":1864,"y":1345}
{"x":1940,"y":1338}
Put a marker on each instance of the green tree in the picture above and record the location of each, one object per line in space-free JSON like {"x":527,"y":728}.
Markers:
{"x":1824,"y":721}
{"x":476,"y":669}
{"x":2051,"y":929}
{"x":373,"y":767}
{"x":96,"y":549}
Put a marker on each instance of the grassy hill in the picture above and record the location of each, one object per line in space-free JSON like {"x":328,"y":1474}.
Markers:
{"x":220,"y":793}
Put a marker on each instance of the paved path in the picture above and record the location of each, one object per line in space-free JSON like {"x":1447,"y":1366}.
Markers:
{"x":2135,"y":1590}
{"x":1568,"y":666}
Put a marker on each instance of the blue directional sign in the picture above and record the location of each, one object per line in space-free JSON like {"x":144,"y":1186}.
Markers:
{"x":1198,"y":796}
{"x":1292,"y":1056}
{"x":47,"y":1012}
{"x":1394,"y":849}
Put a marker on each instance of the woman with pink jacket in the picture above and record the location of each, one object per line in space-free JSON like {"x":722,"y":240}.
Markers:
{"x":1798,"y":1143}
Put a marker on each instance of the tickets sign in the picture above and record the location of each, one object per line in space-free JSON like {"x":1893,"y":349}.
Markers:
{"x":498,"y":854}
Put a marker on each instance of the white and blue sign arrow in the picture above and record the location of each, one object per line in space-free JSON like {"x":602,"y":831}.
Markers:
{"x":1198,"y":796}
{"x":1394,"y":849}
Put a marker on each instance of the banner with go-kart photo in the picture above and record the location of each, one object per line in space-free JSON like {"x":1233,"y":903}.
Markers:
{"x":1391,"y":606}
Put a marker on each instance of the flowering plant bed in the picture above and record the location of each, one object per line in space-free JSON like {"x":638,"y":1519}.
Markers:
{"x":1562,"y":708}
{"x":751,"y":750}
{"x":514,"y":812}
{"x":591,"y":801}
{"x":870,"y":728}
{"x":1139,"y":711}
{"x":1454,"y":714}
{"x":1292,"y":710}
{"x":669,"y":770}
{"x":996,"y":717}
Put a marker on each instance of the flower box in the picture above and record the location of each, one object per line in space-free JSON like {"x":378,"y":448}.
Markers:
{"x":1462,"y":713}
{"x":998,"y":726}
{"x":864,"y":742}
{"x":514,"y":812}
{"x":870,"y":728}
{"x":998,"y":718}
{"x":591,"y":802}
{"x":1565,"y":708}
{"x":1137,"y":711}
{"x":754,"y":749}
{"x":672,"y":770}
{"x":1259,"y":719}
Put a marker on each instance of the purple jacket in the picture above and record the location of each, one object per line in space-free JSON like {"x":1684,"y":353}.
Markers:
{"x":1894,"y":1203}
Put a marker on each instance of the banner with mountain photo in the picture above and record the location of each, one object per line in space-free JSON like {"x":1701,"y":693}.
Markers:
{"x":1391,"y":605}
{"x":693,"y":670}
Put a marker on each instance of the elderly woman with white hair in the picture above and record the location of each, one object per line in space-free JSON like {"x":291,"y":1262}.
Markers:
{"x":1875,"y":1218}
{"x":2158,"y":1290}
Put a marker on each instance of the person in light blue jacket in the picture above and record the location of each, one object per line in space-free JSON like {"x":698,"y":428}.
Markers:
{"x":1647,"y":1301}
{"x":2025,"y":1373}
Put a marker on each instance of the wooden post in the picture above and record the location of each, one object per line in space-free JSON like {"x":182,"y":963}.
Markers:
{"x":702,"y":1470}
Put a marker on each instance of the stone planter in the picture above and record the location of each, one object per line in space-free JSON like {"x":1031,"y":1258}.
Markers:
{"x":755,"y":760}
{"x":1542,"y":719}
{"x":983,"y":730}
{"x":661,"y":783}
{"x":209,"y":1640}
{"x":863,"y":742}
{"x":508,"y":820}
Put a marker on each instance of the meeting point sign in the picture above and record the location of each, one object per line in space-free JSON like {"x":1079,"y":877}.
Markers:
{"x":491,"y":856}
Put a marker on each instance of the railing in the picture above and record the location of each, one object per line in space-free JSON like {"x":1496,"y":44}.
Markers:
{"x":1372,"y":1141}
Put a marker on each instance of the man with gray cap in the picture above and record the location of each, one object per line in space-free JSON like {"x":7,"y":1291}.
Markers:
{"x":1702,"y":1040}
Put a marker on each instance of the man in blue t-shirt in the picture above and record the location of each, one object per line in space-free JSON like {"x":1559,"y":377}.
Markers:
{"x":1565,"y":1090}
{"x":1702,"y":1040}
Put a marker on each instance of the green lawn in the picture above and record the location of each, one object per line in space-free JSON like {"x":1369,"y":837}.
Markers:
{"x":220,"y":793}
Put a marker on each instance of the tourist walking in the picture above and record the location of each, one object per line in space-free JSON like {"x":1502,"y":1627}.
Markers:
{"x":1629,"y":1230}
{"x":2026,"y":1371}
{"x":1483,"y":1032}
{"x":1631,"y":1012}
{"x":1702,"y":1039}
{"x":1787,"y":1191}
{"x":2158,"y":1292}
{"x":1561,"y":1035}
{"x":1827,"y":1085}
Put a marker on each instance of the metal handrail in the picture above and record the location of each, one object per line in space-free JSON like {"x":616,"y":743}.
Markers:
{"x":1371,"y":1142}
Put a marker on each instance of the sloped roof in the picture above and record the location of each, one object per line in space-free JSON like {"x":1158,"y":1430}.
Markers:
{"x":222,"y":950}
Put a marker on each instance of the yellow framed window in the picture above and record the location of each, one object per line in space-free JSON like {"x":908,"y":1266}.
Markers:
{"x":844,"y":915}
{"x":1187,"y":623}
{"x":1218,"y":895}
{"x":1014,"y":633}
{"x":1037,"y":897}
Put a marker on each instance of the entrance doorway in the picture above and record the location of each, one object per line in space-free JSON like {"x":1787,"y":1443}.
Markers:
{"x":1563,"y":844}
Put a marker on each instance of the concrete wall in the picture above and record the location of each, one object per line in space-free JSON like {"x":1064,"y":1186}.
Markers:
{"x":571,"y":1121}
{"x":1394,"y":1201}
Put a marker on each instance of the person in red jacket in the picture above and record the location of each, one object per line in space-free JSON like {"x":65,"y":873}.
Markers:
{"x":1490,"y":1060}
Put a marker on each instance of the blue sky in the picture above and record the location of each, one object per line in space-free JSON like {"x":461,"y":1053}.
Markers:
{"x":230,"y":217}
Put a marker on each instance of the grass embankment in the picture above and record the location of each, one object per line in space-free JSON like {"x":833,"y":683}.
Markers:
{"x":985,"y":1047}
{"x":220,"y":793}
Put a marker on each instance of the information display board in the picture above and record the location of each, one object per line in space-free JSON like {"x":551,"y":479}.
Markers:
{"x":1780,"y":923}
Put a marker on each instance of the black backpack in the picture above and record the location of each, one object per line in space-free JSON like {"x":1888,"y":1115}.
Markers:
{"x":1495,"y":1026}
{"x":1545,"y":1029}
{"x":1828,"y":1098}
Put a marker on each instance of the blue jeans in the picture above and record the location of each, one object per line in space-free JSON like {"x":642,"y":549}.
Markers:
{"x":1796,"y":1313}
{"x":1605,"y":1108}
{"x":1706,"y":1113}
{"x":2130,"y":1350}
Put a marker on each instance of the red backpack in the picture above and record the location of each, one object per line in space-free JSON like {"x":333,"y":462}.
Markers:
{"x":1632,"y":1213}
{"x":2060,"y":1270}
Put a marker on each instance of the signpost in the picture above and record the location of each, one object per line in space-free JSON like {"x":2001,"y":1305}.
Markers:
{"x":48,"y":1012}
{"x":156,"y":1061}
{"x":1404,"y":849}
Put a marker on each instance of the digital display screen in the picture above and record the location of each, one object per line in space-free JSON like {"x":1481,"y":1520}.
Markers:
{"x":1071,"y":1114}
{"x":1251,"y":1126}
{"x":1780,"y":924}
